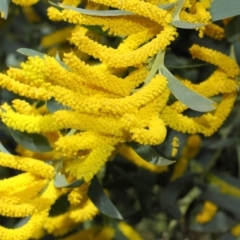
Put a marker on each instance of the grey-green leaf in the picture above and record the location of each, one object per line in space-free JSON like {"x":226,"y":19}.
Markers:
{"x":30,"y":52}
{"x":232,"y":30}
{"x":58,"y":59}
{"x":54,"y":106}
{"x":101,"y":201}
{"x":3,"y":149}
{"x":31,"y":141}
{"x":221,"y":9}
{"x":187,"y":96}
{"x":150,"y":155}
{"x":4,"y":7}
{"x":177,"y":22}
{"x":104,"y":13}
{"x":60,"y":181}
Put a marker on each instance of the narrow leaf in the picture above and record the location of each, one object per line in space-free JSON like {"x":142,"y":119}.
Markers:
{"x":30,"y":52}
{"x":187,"y":96}
{"x":101,"y":201}
{"x":150,"y":155}
{"x":4,"y":7}
{"x":155,"y":66}
{"x":60,"y":181}
{"x":232,"y":29}
{"x":54,"y":106}
{"x":221,"y":9}
{"x":3,"y":149}
{"x":31,"y":141}
{"x":105,"y":13}
{"x":58,"y":59}
{"x":171,"y":192}
{"x":177,"y":22}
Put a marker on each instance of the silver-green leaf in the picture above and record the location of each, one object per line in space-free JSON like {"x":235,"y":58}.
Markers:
{"x":30,"y":52}
{"x":101,"y":201}
{"x":60,"y":181}
{"x":150,"y":155}
{"x":4,"y":7}
{"x":31,"y":141}
{"x":221,"y":9}
{"x":191,"y":99}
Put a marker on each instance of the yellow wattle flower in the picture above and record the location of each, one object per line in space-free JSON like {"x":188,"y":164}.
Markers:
{"x":25,"y":2}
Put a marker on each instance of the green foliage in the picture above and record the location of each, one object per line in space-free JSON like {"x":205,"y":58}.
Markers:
{"x":31,"y":141}
{"x":100,"y":199}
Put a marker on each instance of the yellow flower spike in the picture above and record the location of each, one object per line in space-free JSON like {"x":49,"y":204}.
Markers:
{"x":37,"y":124}
{"x":153,"y":135}
{"x":96,"y":77}
{"x":207,"y":124}
{"x":20,"y":180}
{"x":189,"y":152}
{"x":59,"y":225}
{"x":95,"y":105}
{"x":214,"y":31}
{"x":221,"y":113}
{"x":225,"y":187}
{"x":22,"y":194}
{"x":77,"y":194}
{"x":23,"y":89}
{"x":141,"y":8}
{"x":83,"y":212}
{"x":135,"y":40}
{"x":72,"y":2}
{"x":175,"y":145}
{"x":45,"y":156}
{"x":128,"y":231}
{"x":193,"y":145}
{"x":122,"y":26}
{"x":25,"y":2}
{"x":104,"y":125}
{"x":235,"y":231}
{"x":116,"y":58}
{"x":227,"y":64}
{"x":23,"y":107}
{"x":107,"y":233}
{"x":31,"y":15}
{"x":209,"y":88}
{"x":30,"y":165}
{"x":27,"y":230}
{"x":33,"y":70}
{"x":208,"y":212}
{"x":16,"y":73}
{"x":86,"y":167}
{"x":56,"y":37}
{"x":71,"y":145}
{"x":86,"y":234}
{"x":128,"y":153}
{"x":36,"y":205}
{"x":54,"y":14}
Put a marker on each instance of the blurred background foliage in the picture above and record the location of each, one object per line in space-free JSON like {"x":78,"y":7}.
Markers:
{"x":199,"y":196}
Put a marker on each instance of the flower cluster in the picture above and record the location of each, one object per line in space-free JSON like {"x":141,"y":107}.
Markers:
{"x":100,"y":109}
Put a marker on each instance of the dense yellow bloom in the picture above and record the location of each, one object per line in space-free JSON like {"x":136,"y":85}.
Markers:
{"x":228,"y":65}
{"x":214,"y":31}
{"x":25,"y":2}
{"x":118,"y":58}
{"x":108,"y":102}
